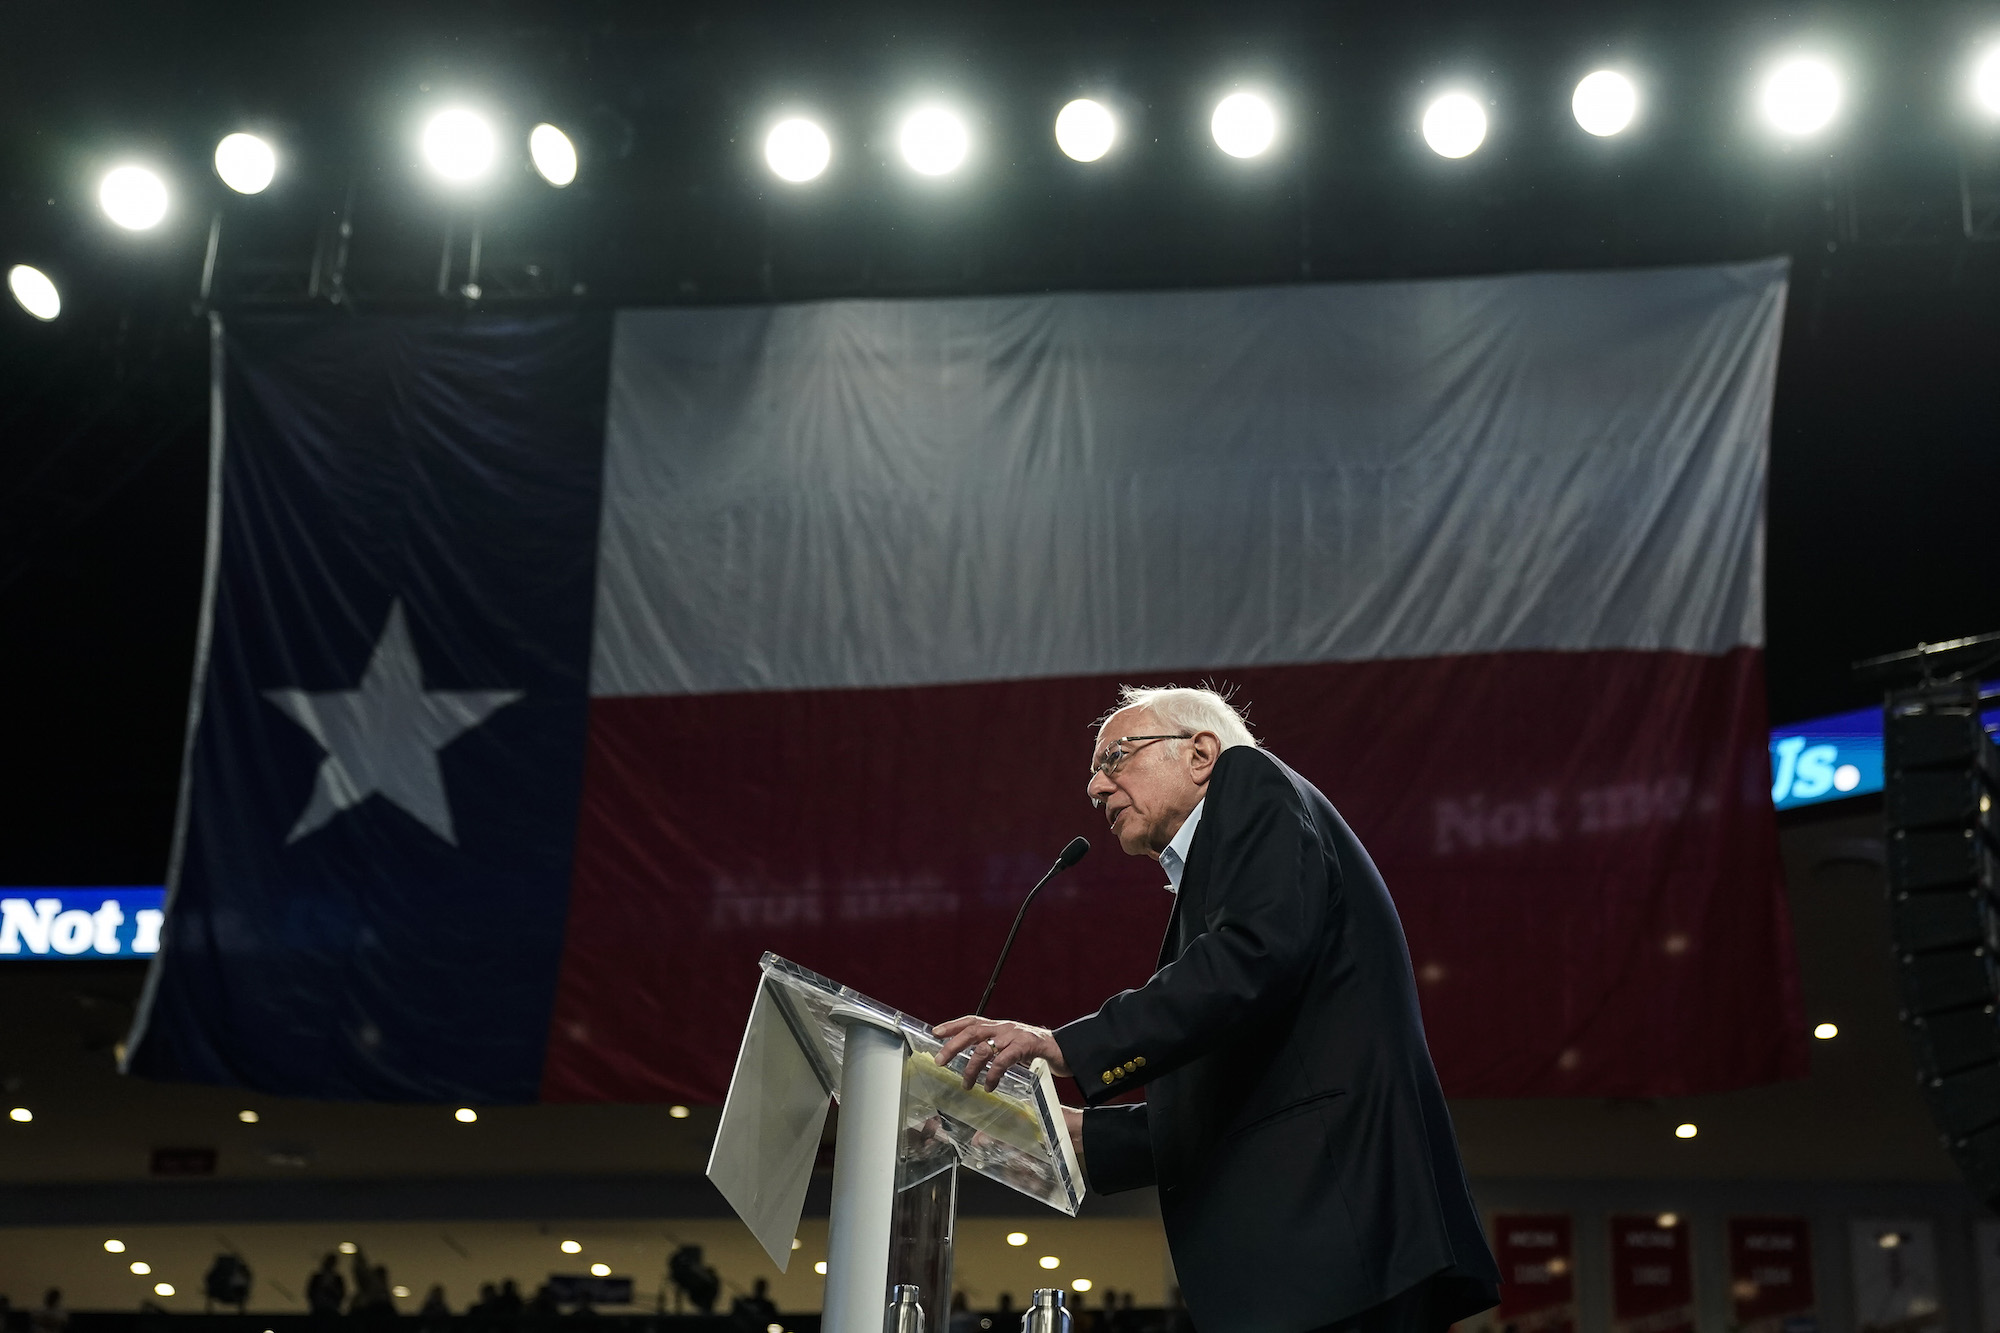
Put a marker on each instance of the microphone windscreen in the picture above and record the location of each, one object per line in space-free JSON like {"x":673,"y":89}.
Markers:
{"x":1073,"y":853}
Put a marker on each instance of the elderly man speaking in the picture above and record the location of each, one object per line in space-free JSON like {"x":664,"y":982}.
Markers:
{"x":1309,"y":1177}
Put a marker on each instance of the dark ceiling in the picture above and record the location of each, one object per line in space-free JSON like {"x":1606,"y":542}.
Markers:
{"x":1885,"y":451}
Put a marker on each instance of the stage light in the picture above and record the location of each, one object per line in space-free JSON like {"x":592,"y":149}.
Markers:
{"x":1454,"y":125}
{"x":248,"y":1117}
{"x":1986,"y":81}
{"x":37,"y":295}
{"x":933,"y":141}
{"x":246,"y":163}
{"x":115,"y":1246}
{"x":553,"y":154}
{"x":1800,"y":96}
{"x":600,"y":1270}
{"x":1244,"y":125}
{"x":1826,"y":1031}
{"x":133,"y":197}
{"x":797,"y":150}
{"x":1684,"y":1131}
{"x":459,"y":145}
{"x":465,"y":1115}
{"x":1085,"y":130}
{"x":1605,"y":102}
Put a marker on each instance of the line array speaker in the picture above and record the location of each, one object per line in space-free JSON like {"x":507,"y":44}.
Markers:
{"x":1943,"y":863}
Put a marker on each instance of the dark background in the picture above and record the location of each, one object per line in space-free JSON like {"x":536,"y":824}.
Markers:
{"x":1885,"y":462}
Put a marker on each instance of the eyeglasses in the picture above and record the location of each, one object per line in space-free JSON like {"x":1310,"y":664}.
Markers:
{"x":1114,"y":758}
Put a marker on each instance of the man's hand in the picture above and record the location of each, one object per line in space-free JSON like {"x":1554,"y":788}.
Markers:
{"x":995,"y":1044}
{"x":1073,"y":1122}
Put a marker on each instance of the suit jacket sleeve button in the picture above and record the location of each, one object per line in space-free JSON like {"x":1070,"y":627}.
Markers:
{"x":1109,"y":1076}
{"x":1139,"y":1060}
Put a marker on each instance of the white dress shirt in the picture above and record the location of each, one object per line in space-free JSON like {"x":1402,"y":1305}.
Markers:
{"x":1173,"y":858}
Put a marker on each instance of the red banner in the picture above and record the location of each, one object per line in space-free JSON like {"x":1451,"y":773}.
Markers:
{"x":1652,"y":1275}
{"x":1537,"y":1272}
{"x":1771,"y":1275}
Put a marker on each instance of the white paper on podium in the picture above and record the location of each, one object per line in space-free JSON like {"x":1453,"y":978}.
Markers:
{"x":772,"y":1121}
{"x":789,"y":1066}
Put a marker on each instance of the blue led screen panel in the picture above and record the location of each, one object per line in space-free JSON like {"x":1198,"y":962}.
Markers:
{"x":70,"y":923}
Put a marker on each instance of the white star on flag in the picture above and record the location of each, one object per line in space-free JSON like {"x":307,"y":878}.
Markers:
{"x":383,"y":736}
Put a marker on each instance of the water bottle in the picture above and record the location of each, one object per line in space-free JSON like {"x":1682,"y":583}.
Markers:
{"x":905,"y":1315}
{"x":1047,"y":1313}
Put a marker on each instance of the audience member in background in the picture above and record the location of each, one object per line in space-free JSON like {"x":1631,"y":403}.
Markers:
{"x":756,"y":1312}
{"x":51,"y":1318}
{"x":1003,"y":1313}
{"x":481,"y":1314}
{"x":509,"y":1305}
{"x":962,"y":1319}
{"x":6,"y":1313}
{"x":544,"y":1309}
{"x":326,"y":1289}
{"x":435,"y":1316}
{"x":372,"y":1297}
{"x":694,"y":1279}
{"x":227,"y":1283}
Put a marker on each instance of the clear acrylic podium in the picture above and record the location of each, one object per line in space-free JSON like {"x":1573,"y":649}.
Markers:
{"x":906,"y":1125}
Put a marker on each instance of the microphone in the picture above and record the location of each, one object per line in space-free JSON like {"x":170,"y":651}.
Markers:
{"x":1070,"y":856}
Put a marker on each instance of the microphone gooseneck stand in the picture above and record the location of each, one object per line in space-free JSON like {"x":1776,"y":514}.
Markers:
{"x":1070,"y":856}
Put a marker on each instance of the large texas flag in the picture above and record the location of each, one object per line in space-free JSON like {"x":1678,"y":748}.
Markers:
{"x":552,"y":668}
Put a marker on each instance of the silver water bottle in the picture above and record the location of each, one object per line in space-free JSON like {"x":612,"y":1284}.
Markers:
{"x":905,"y":1315}
{"x":1047,"y":1313}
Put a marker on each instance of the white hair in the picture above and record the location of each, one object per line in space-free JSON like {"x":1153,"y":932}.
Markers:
{"x":1189,"y":710}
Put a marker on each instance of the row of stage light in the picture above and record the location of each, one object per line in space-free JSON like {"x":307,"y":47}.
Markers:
{"x":1797,"y":98}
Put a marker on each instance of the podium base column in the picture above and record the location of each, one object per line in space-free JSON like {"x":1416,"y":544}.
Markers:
{"x":864,"y":1176}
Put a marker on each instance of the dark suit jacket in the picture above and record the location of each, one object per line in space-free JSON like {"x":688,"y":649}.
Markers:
{"x":1293,"y":1121}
